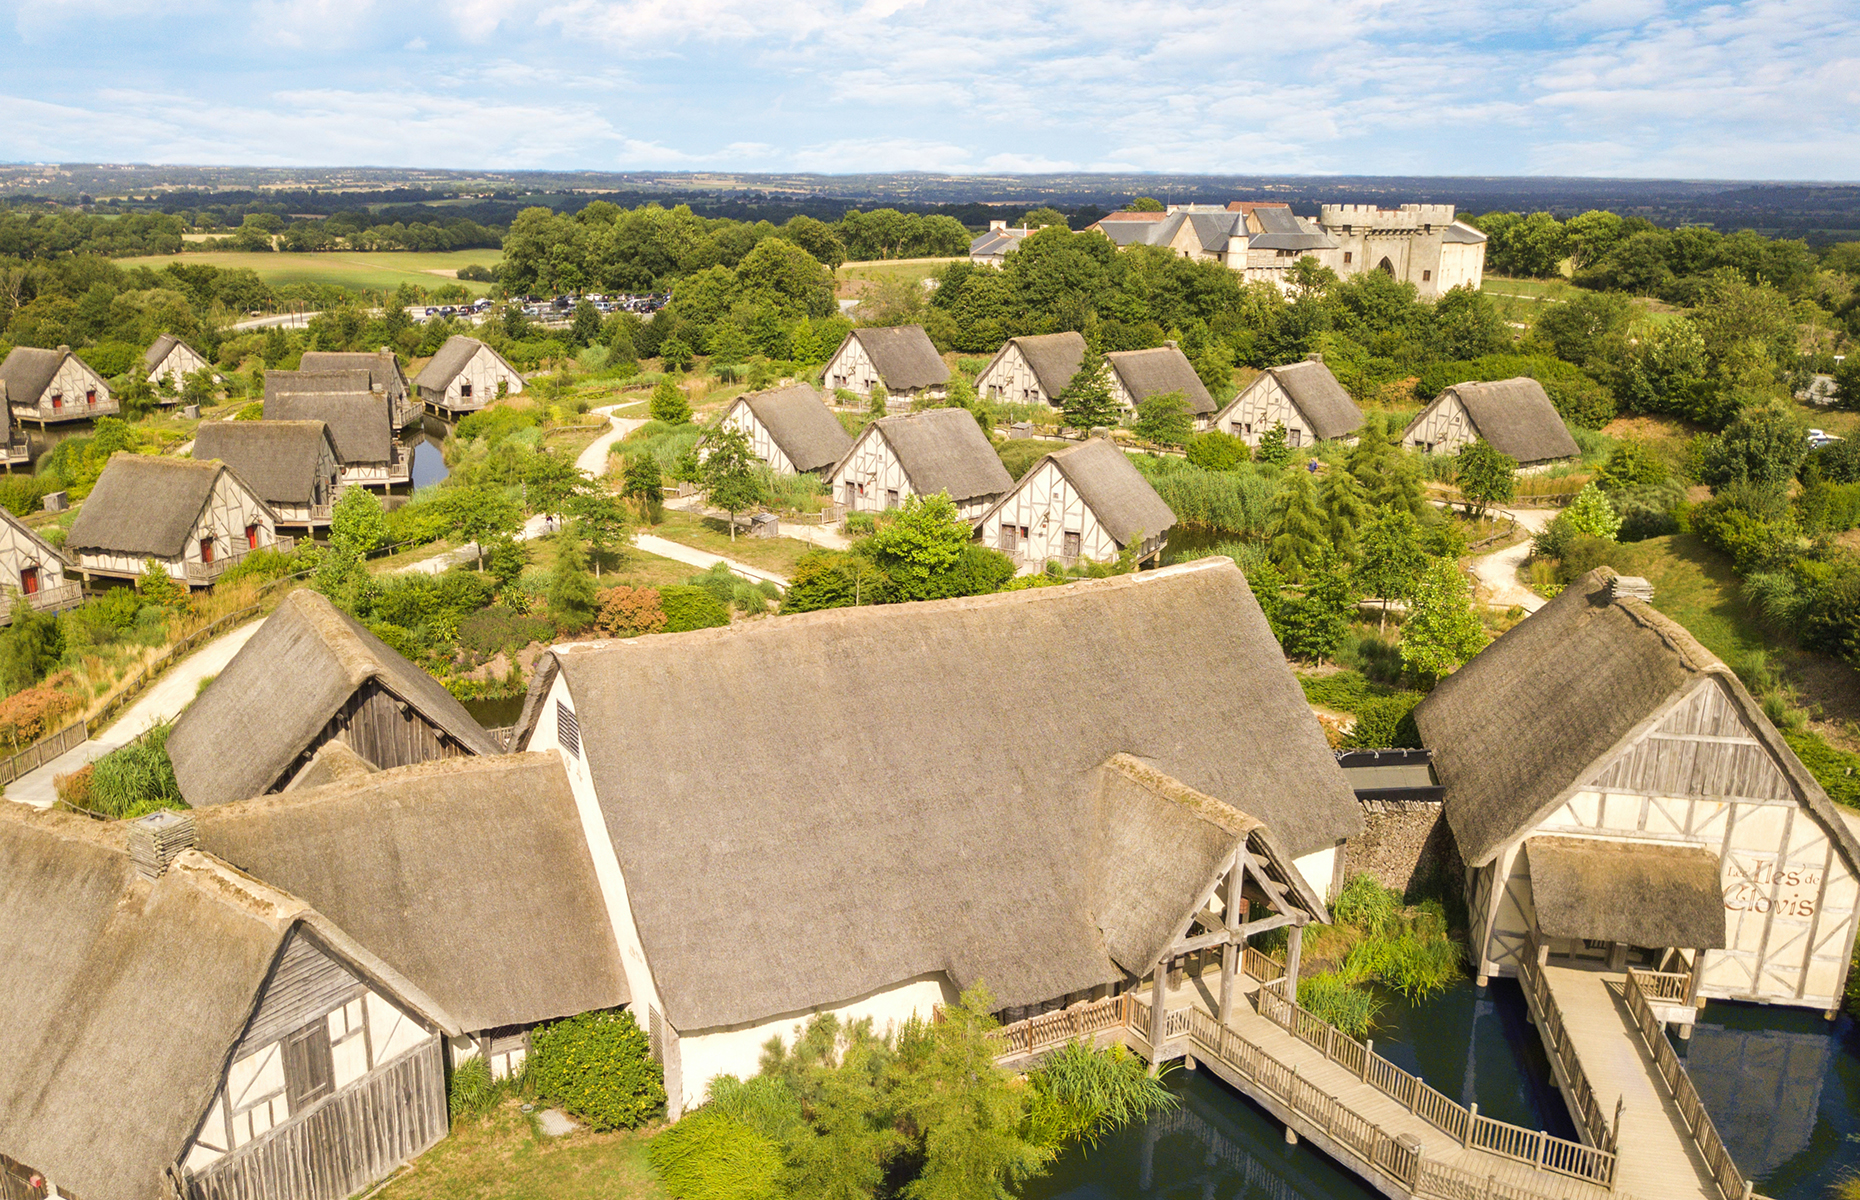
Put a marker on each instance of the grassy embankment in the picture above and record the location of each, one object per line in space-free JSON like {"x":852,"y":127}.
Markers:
{"x":376,"y":270}
{"x":504,"y":1156}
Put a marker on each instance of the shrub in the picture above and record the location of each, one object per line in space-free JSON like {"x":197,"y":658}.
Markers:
{"x":498,"y":422}
{"x":30,"y":714}
{"x":630,"y":611}
{"x":1083,"y":1094}
{"x":712,"y":1156}
{"x":598,"y":1067}
{"x":498,"y":628}
{"x":136,"y":779}
{"x":1384,"y":722}
{"x":23,"y":495}
{"x":1217,"y":451}
{"x":687,"y":608}
{"x":1018,"y":456}
{"x":74,"y":789}
{"x":1236,"y":501}
{"x":1590,"y":513}
{"x":270,"y":563}
{"x":254,"y":411}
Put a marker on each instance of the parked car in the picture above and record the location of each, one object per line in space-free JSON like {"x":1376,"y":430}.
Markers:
{"x":1818,"y":438}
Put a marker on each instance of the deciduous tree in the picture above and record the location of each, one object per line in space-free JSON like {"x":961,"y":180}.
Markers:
{"x":1441,"y":631}
{"x":729,"y":473}
{"x":1484,"y":476}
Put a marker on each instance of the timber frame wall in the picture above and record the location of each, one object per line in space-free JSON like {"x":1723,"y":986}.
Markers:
{"x":383,"y":728}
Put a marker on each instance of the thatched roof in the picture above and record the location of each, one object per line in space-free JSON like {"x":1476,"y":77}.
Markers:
{"x":1539,"y":713}
{"x":1147,"y":373}
{"x":1640,"y":893}
{"x":348,"y":382}
{"x":445,"y":366}
{"x":904,"y":357}
{"x":277,"y":458}
{"x":1053,"y":357}
{"x":800,"y":423}
{"x":334,"y":763}
{"x":470,"y":876}
{"x":975,"y":846}
{"x":145,"y":504}
{"x":1327,"y":408}
{"x":156,"y":354}
{"x":27,"y":371}
{"x":942,"y":450}
{"x":382,"y":366}
{"x":124,"y":997}
{"x":282,"y":688}
{"x":1115,"y":491}
{"x":1516,"y":417}
{"x":361,"y":423}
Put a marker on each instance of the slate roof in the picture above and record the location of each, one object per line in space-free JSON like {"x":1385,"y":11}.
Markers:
{"x":1282,"y":229}
{"x":278,"y":459}
{"x":905,"y":358}
{"x":800,"y":422}
{"x":985,"y":843}
{"x":1147,"y":373}
{"x":143,"y":504}
{"x":281,"y":690}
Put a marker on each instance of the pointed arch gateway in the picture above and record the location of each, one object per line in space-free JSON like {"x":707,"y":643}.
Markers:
{"x":1385,"y":266}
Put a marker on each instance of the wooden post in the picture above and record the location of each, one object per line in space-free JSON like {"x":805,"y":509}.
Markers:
{"x":1692,"y":983}
{"x":1369,"y":1052}
{"x":1294,"y":947}
{"x":1232,"y":915}
{"x":1472,"y":1118}
{"x":1158,"y":1018}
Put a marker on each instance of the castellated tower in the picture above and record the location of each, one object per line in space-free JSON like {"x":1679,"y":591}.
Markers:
{"x":1421,"y":243}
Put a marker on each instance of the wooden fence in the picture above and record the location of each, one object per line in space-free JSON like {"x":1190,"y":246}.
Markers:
{"x":1731,"y":1182}
{"x":43,"y":751}
{"x":1057,"y":1028}
{"x":1592,"y":1164}
{"x":1589,"y":1112}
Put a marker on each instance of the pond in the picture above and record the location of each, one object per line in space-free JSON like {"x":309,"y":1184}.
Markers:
{"x":1782,"y":1086}
{"x":426,"y":445}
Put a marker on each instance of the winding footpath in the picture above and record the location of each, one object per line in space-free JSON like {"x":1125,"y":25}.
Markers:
{"x":1498,"y":572}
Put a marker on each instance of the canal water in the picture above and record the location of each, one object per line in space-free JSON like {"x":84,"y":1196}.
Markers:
{"x":426,"y":443}
{"x":1782,"y":1087}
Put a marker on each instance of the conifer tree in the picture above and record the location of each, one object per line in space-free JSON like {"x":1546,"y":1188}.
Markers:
{"x":1346,"y":506}
{"x":1297,"y":525}
{"x":1273,"y":448}
{"x":572,"y":598}
{"x":159,"y":587}
{"x":669,"y":404}
{"x":1086,"y":399}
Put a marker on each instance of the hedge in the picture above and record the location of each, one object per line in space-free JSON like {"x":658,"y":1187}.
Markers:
{"x":598,"y":1067}
{"x":687,"y":608}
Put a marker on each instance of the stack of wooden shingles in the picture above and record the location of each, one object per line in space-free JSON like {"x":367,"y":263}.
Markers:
{"x":1622,"y":586}
{"x":155,"y":840}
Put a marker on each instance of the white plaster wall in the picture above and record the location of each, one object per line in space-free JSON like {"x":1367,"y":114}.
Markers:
{"x":1319,"y":869}
{"x":1444,"y":425}
{"x":19,"y":550}
{"x":72,"y":380}
{"x":1259,"y":406}
{"x":760,"y":443}
{"x":484,"y":371}
{"x":737,"y":1049}
{"x":179,"y":361}
{"x":851,"y":368}
{"x":870,"y":462}
{"x":1010,"y":378}
{"x":1048,"y":507}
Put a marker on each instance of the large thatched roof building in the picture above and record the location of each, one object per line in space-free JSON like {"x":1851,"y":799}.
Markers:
{"x":1084,"y":502}
{"x":191,"y":519}
{"x":403,"y":860}
{"x":1136,"y":375}
{"x":790,"y":428}
{"x":921,"y":454}
{"x":310,"y":676}
{"x":902,"y":360}
{"x":1032,"y":370}
{"x":384,"y":376}
{"x":1514,"y":415}
{"x":292,"y":465}
{"x":463,"y":377}
{"x":174,"y":1025}
{"x":1610,"y":783}
{"x":1304,"y":397}
{"x":50,"y":386}
{"x":1098,"y":753}
{"x":360,"y":421}
{"x":167,"y":363}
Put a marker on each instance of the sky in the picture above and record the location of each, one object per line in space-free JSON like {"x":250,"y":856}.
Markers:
{"x":1644,"y":88}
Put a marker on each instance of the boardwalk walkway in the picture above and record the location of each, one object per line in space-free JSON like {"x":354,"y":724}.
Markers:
{"x":1658,"y":1156}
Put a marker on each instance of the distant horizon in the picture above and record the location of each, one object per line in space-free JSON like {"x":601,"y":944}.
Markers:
{"x":1745,"y":90}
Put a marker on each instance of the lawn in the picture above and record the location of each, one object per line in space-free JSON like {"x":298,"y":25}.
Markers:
{"x":503,"y":1156}
{"x":713,"y":534}
{"x":910,"y":268}
{"x":376,"y":271}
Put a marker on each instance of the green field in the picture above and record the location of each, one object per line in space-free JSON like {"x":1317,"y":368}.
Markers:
{"x":375,"y":271}
{"x":910,"y":268}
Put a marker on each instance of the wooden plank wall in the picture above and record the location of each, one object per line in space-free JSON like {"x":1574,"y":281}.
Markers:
{"x":383,"y":729}
{"x":15,"y":1182}
{"x":305,"y":984}
{"x":349,"y":1142}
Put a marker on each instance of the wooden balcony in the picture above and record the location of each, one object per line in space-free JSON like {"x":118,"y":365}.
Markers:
{"x":205,"y":574}
{"x":52,"y":599}
{"x":15,"y":453}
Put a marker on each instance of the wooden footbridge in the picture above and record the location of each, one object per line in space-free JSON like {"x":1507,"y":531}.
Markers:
{"x":1408,"y":1140}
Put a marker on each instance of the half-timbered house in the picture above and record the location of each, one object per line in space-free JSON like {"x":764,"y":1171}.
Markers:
{"x":463,"y":377}
{"x":360,"y":422}
{"x":292,"y":465}
{"x":385,"y":376}
{"x":1304,"y":397}
{"x":168,"y":363}
{"x":1136,"y":375}
{"x":403,"y":861}
{"x":1618,"y":797}
{"x":1086,"y":502}
{"x":921,"y":454}
{"x":1514,"y":415}
{"x":47,"y":387}
{"x":790,"y":428}
{"x":1032,"y":370}
{"x":31,"y":569}
{"x":177,"y":1030}
{"x":1112,"y":764}
{"x":190,"y":519}
{"x":312,"y":675}
{"x":902,"y":360}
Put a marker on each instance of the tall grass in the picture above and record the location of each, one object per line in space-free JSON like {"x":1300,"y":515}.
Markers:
{"x":1236,"y":502}
{"x":665,"y":443}
{"x":1085,"y":1094}
{"x":1337,"y":998}
{"x":136,"y":779}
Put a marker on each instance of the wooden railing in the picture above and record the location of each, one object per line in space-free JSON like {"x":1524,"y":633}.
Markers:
{"x":1731,"y":1182}
{"x":46,"y":599}
{"x":1057,"y":1028}
{"x":1593,"y":1164}
{"x":1670,"y":987}
{"x":203,"y":573}
{"x":1261,"y":966}
{"x":43,"y":751}
{"x":1589,"y":1112}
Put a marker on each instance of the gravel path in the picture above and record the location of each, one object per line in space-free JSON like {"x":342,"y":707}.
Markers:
{"x":1498,"y":571}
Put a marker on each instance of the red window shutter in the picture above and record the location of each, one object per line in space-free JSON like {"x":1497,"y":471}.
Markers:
{"x":206,"y":550}
{"x":251,"y":537}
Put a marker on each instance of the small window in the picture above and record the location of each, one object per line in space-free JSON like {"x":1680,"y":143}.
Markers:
{"x":28,"y":580}
{"x":464,"y":391}
{"x":1023,"y":533}
{"x":1426,"y":275}
{"x":1248,"y":427}
{"x":206,"y":550}
{"x":251,"y":537}
{"x":1072,"y":545}
{"x":891,"y":498}
{"x":1347,"y":256}
{"x":567,"y":730}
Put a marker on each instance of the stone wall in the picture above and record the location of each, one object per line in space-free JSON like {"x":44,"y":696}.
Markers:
{"x":1406,"y":845}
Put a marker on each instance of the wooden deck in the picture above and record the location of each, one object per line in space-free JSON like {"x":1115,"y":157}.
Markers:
{"x":1658,"y":1156}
